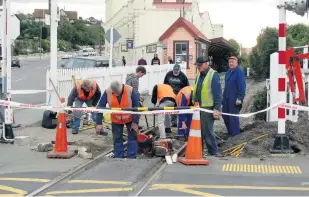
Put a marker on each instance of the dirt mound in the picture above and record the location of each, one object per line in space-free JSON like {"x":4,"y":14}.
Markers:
{"x":297,"y":132}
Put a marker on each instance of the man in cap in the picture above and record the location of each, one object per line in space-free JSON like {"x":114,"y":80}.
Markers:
{"x":177,"y":80}
{"x":84,"y":91}
{"x":207,"y":92}
{"x":233,"y":95}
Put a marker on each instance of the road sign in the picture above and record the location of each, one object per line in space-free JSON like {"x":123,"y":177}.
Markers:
{"x":129,"y":44}
{"x":14,"y":27}
{"x":116,"y":35}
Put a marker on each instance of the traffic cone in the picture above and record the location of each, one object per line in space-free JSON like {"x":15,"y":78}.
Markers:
{"x":194,"y":150}
{"x":61,"y":144}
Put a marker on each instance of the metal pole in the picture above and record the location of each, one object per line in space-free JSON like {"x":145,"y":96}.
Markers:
{"x":53,"y":47}
{"x":111,"y":47}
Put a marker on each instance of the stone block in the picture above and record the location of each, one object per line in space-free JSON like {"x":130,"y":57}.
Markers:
{"x":84,"y":152}
{"x":45,"y":147}
{"x":22,"y":140}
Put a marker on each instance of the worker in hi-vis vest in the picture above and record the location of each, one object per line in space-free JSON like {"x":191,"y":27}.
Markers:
{"x":121,"y":96}
{"x":164,"y":95}
{"x":184,"y":99}
{"x":207,"y":92}
{"x":84,"y":91}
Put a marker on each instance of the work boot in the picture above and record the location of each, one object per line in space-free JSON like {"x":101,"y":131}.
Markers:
{"x":74,"y":131}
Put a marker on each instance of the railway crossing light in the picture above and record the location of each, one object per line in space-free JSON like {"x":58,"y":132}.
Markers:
{"x":301,"y":7}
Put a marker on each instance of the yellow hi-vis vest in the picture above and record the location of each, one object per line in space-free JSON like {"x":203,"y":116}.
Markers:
{"x":206,"y":92}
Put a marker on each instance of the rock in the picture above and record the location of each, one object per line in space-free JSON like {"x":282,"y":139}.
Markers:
{"x":84,"y":152}
{"x":45,"y":147}
{"x":22,"y":140}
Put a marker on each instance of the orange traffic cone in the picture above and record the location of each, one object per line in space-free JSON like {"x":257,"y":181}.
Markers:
{"x":61,"y":144}
{"x":194,"y":150}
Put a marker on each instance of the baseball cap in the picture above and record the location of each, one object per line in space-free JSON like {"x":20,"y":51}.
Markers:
{"x":201,"y":60}
{"x":176,"y":68}
{"x":233,"y":57}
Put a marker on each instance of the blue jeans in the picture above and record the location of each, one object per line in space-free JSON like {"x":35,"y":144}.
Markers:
{"x":208,"y":135}
{"x":188,"y":123}
{"x":77,"y":115}
{"x":117,"y":130}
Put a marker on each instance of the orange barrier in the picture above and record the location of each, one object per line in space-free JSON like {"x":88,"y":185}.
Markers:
{"x":61,"y":143}
{"x":194,"y":149}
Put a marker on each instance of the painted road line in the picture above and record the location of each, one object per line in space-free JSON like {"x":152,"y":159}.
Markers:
{"x":25,"y":180}
{"x":265,"y":169}
{"x":16,"y":192}
{"x":186,"y":186}
{"x":101,"y":182}
{"x":192,"y":192}
{"x":82,"y":191}
{"x":18,"y":80}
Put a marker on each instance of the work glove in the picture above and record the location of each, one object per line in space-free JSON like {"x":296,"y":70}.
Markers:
{"x":134,"y":127}
{"x":69,"y":111}
{"x":184,"y":126}
{"x":100,"y":130}
{"x":238,"y":104}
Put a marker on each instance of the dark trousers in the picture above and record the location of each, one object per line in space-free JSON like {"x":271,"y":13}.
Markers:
{"x":117,"y":130}
{"x":207,"y":125}
{"x":231,"y":122}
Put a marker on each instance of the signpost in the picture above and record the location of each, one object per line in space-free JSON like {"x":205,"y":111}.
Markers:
{"x":112,"y":36}
{"x":9,"y":31}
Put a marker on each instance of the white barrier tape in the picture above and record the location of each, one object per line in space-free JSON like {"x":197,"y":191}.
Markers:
{"x":248,"y":114}
{"x":183,"y":111}
{"x":27,"y":91}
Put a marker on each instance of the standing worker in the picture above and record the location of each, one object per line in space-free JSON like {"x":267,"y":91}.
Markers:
{"x":207,"y":92}
{"x":233,"y":95}
{"x":184,"y":99}
{"x":177,"y":80}
{"x":84,"y":91}
{"x":121,"y":96}
{"x":163,"y":94}
{"x":133,"y":80}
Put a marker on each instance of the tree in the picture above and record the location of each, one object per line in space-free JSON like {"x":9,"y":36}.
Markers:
{"x":236,"y":45}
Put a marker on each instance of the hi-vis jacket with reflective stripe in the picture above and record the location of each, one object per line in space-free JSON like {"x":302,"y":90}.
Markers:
{"x":126,"y":102}
{"x":206,"y":93}
{"x":80,"y":91}
{"x":186,"y":91}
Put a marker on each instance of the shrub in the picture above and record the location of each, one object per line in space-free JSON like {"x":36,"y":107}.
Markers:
{"x":260,"y":103}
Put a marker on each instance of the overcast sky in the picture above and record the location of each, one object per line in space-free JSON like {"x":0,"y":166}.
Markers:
{"x":242,"y":19}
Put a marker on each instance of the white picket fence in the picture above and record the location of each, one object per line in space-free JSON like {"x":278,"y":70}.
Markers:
{"x":103,"y":76}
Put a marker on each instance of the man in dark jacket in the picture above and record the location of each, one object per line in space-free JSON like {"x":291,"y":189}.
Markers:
{"x":84,"y":91}
{"x":155,"y":60}
{"x":177,"y":80}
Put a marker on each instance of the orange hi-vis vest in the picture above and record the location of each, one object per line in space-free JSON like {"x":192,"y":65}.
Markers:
{"x":80,"y":92}
{"x":165,"y":91}
{"x":126,"y":102}
{"x":186,"y":91}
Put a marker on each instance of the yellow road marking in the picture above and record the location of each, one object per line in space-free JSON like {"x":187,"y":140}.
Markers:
{"x":278,"y":169}
{"x":181,"y":186}
{"x":101,"y":182}
{"x":17,"y":192}
{"x":194,"y":192}
{"x":25,"y":179}
{"x":91,"y":191}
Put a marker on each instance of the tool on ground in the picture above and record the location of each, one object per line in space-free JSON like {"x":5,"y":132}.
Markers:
{"x":61,"y":143}
{"x":194,"y":150}
{"x":237,"y":150}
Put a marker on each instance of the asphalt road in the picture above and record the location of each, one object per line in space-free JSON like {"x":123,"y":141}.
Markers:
{"x":31,"y":76}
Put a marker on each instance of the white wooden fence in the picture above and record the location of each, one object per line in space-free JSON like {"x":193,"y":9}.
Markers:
{"x":103,"y":76}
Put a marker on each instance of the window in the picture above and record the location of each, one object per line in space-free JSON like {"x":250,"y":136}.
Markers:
{"x":157,"y":0}
{"x":201,"y":50}
{"x":180,"y":1}
{"x":181,"y":52}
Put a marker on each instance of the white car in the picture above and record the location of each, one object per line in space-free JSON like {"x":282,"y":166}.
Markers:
{"x":67,"y":56}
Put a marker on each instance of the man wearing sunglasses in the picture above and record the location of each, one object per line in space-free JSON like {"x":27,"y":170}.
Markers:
{"x":85,"y":91}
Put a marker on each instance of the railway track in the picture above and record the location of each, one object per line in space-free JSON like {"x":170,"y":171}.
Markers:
{"x":139,"y":186}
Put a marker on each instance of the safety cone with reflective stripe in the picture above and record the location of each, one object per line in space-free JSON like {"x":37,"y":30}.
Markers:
{"x":194,"y":150}
{"x":61,"y":143}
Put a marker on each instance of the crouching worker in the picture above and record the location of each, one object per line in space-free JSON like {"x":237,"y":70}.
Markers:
{"x":184,"y":99}
{"x":121,"y":96}
{"x":165,"y":96}
{"x":85,"y":91}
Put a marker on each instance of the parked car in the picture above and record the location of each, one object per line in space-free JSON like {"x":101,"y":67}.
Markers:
{"x":15,"y":62}
{"x":88,"y":62}
{"x":67,"y":56}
